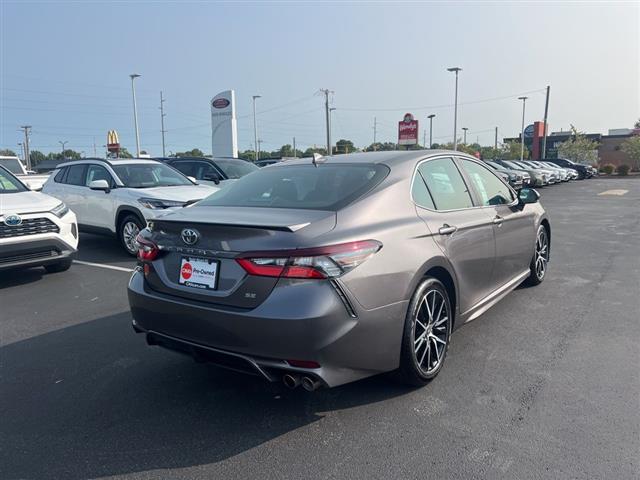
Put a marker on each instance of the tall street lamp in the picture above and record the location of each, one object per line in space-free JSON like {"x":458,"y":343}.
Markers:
{"x":430,"y":117}
{"x":455,"y":110}
{"x":330,"y":152}
{"x":255,"y":129}
{"x":63,"y":144}
{"x":464,"y":129}
{"x":524,"y":102}
{"x":135,"y":113}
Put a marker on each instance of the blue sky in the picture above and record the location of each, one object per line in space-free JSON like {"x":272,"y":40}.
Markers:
{"x":64,"y":68}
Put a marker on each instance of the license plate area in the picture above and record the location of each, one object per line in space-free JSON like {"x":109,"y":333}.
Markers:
{"x":198,"y":272}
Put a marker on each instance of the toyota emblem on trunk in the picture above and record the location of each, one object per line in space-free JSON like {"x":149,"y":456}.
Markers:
{"x":190,"y":236}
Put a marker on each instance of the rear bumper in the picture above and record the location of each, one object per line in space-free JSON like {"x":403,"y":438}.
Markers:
{"x":301,"y":320}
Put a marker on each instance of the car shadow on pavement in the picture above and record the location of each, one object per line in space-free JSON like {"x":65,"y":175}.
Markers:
{"x":14,"y":278}
{"x":93,"y":400}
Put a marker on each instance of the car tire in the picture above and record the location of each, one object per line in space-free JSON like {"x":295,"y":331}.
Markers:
{"x":540,"y":260}
{"x":422,"y":359}
{"x":128,"y":230}
{"x":61,"y":266}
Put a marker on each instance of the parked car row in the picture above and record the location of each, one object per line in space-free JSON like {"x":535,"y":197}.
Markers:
{"x":540,"y":173}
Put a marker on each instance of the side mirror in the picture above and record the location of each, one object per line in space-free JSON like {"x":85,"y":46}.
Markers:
{"x":212,"y":177}
{"x":528,"y":195}
{"x":193,"y":179}
{"x":100,"y":185}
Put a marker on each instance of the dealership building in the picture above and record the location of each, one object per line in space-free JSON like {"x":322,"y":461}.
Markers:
{"x":609,"y":150}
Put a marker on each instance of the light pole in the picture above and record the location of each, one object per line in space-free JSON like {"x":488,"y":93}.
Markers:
{"x":430,"y":117}
{"x":455,"y":110}
{"x":524,"y":102}
{"x":63,"y":144}
{"x":135,"y":113}
{"x":255,"y":129}
{"x":330,"y":127}
{"x":464,"y":129}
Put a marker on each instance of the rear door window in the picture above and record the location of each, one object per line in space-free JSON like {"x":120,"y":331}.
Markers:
{"x":420,"y":193}
{"x":75,"y":176}
{"x":447,"y":187}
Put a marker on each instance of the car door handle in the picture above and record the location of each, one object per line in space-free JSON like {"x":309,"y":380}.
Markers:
{"x":497,"y":220}
{"x":447,"y":229}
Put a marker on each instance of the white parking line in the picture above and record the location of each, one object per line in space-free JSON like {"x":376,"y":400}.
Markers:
{"x":101,"y":265}
{"x":613,"y":192}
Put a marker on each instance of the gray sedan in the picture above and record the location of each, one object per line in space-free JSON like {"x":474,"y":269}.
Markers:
{"x":322,"y":271}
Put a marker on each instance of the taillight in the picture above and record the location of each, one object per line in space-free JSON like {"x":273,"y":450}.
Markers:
{"x":147,"y":250}
{"x":321,"y":262}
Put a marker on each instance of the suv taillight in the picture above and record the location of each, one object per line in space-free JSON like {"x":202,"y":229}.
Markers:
{"x":321,"y":262}
{"x":147,"y":250}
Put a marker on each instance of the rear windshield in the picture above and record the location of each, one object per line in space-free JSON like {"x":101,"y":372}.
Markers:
{"x":236,"y":168}
{"x":12,"y":164}
{"x":325,"y":187}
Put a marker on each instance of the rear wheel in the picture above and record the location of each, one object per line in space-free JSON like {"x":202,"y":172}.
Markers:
{"x":128,"y":230}
{"x":540,"y":260}
{"x":61,"y":266}
{"x":426,"y":333}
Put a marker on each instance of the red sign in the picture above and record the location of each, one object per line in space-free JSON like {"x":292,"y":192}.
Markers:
{"x":220,"y":103}
{"x":187,"y":271}
{"x":408,"y":130}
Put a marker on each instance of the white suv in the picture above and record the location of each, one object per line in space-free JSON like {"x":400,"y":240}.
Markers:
{"x":35,"y":229}
{"x":118,"y":196}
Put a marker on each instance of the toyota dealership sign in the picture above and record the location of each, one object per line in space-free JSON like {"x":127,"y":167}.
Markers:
{"x":408,"y":130}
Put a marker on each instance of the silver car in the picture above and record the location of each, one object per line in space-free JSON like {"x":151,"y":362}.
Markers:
{"x":318,"y":272}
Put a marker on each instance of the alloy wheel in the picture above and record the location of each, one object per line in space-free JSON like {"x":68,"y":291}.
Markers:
{"x":431,"y":331}
{"x":542,"y":253}
{"x":129,"y":233}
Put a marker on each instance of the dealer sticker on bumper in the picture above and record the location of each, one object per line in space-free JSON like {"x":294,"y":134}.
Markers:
{"x":199,"y":273}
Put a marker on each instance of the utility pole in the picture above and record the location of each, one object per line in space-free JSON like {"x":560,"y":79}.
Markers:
{"x":495,"y":142}
{"x":375,"y":132}
{"x":330,"y":127}
{"x":424,"y":138}
{"x":256,"y":157}
{"x":546,"y":111}
{"x":326,"y":92}
{"x":21,"y":145}
{"x":63,"y":144}
{"x":27,"y":156}
{"x":162,"y":115}
{"x":95,"y":150}
{"x":464,"y":129}
{"x":455,"y":110}
{"x":295,"y":155}
{"x":430,"y":117}
{"x":135,"y":113}
{"x":524,"y":101}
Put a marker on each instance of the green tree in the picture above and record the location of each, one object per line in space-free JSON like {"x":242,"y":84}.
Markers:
{"x":66,"y":155}
{"x":344,"y":146}
{"x":381,"y":147}
{"x":37,"y":157}
{"x":511,"y":151}
{"x":124,"y":153}
{"x":5,"y":152}
{"x":196,"y":152}
{"x":579,"y":148}
{"x":311,"y":150}
{"x":631,"y":147}
{"x":637,"y":124}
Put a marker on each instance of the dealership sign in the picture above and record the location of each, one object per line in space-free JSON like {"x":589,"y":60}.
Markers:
{"x":408,"y":130}
{"x":224,"y":128}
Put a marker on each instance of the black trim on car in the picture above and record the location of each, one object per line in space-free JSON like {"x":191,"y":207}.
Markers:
{"x":35,"y":253}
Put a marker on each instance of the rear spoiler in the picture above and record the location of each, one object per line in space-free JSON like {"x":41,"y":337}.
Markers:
{"x":278,"y":228}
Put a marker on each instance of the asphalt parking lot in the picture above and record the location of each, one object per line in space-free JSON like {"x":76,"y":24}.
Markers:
{"x":546,"y":384}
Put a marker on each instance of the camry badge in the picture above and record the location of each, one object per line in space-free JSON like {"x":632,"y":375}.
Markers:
{"x":190,"y":236}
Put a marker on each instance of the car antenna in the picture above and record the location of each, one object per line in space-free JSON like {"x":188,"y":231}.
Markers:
{"x":317,"y":158}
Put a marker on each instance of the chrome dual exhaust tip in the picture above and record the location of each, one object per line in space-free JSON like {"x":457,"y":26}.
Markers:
{"x":291,"y":381}
{"x":310,"y":384}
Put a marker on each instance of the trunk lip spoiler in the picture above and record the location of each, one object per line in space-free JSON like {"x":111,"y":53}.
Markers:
{"x":283,"y":228}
